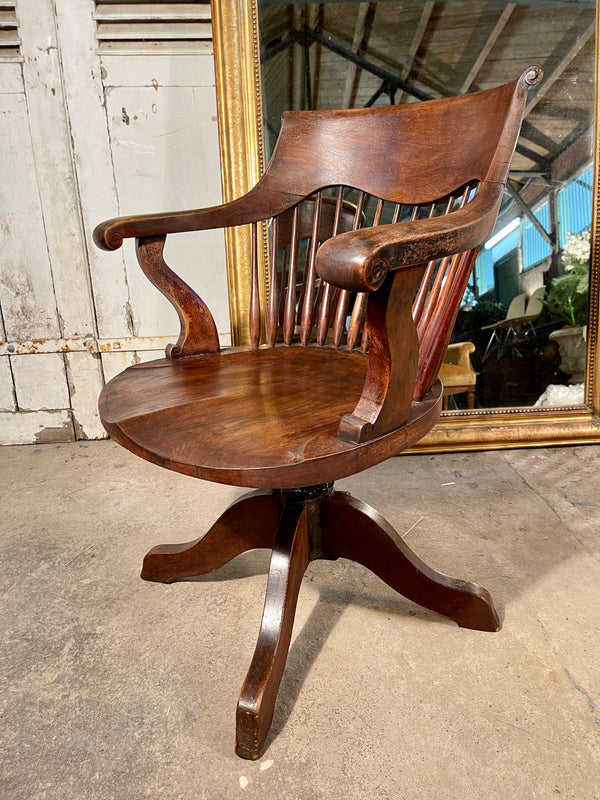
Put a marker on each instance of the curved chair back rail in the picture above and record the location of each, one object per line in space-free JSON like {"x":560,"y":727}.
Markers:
{"x":410,"y":154}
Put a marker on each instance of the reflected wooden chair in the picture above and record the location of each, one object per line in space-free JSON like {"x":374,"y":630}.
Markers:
{"x":345,"y":374}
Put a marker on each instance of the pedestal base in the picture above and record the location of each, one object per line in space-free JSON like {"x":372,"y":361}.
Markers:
{"x":300,"y":526}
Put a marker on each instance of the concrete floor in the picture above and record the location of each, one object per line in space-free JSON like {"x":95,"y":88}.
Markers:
{"x":113,"y":688}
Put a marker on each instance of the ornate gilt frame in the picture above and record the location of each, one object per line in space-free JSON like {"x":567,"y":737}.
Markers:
{"x":237,"y":66}
{"x":239,"y":104}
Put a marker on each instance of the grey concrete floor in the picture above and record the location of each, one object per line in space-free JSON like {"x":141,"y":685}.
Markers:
{"x":112,"y":687}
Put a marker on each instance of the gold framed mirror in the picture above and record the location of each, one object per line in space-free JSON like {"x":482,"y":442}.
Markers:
{"x":557,"y":153}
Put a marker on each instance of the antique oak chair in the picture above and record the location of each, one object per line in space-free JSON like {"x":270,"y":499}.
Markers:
{"x":386,"y":204}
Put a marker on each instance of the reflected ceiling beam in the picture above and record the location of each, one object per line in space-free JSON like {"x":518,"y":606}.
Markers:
{"x":575,"y":156}
{"x":298,"y":61}
{"x":532,"y":134}
{"x":316,"y":19}
{"x":555,"y":72}
{"x":306,"y":37}
{"x":538,"y":187}
{"x":358,"y":46}
{"x":540,"y":160}
{"x":520,"y":174}
{"x":416,"y":42}
{"x":487,"y":47}
{"x":548,"y":237}
{"x":392,"y":82}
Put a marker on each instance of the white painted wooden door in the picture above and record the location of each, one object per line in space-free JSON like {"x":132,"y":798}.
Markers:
{"x":107,"y":108}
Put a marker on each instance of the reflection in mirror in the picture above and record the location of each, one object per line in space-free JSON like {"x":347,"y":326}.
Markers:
{"x":519,"y":339}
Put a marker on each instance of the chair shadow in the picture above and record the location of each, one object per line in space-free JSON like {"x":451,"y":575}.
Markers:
{"x":320,"y":624}
{"x":310,"y":641}
{"x":246,"y":565}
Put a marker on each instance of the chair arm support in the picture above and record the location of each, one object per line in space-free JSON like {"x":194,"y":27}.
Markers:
{"x":393,"y":347}
{"x":359,"y":260}
{"x":255,"y":206}
{"x":198,"y":332}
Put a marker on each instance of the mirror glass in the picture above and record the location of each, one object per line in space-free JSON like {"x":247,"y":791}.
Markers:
{"x":519,"y":340}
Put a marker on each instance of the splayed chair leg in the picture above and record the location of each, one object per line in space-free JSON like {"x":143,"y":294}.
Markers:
{"x":248,"y":523}
{"x":291,"y":555}
{"x":358,"y":532}
{"x":299,"y":526}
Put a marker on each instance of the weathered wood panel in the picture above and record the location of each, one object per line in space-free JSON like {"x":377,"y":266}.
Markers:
{"x":36,"y":427}
{"x":164,"y":144}
{"x":7,"y":395}
{"x":27,"y":294}
{"x":113,"y":363}
{"x":155,"y":72}
{"x":84,"y":375}
{"x":54,"y":167}
{"x":40,"y":382}
{"x":76,"y":159}
{"x":11,"y":78}
{"x":84,"y":94}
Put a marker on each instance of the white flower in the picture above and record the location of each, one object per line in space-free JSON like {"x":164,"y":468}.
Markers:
{"x":576,"y":251}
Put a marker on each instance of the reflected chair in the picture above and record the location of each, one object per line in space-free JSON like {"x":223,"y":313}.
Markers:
{"x":535,"y":305}
{"x":503,"y":329}
{"x":457,"y":373}
{"x":353,"y":383}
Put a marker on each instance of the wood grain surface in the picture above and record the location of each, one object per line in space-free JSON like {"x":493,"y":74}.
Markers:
{"x":260,"y":418}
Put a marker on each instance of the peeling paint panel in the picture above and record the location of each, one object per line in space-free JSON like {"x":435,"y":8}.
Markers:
{"x":54,"y":167}
{"x":165,"y":150}
{"x":40,"y":381}
{"x":92,"y":151}
{"x":88,"y":135}
{"x":113,"y":363}
{"x":84,"y":373}
{"x":39,"y":427}
{"x":7,"y":394}
{"x":26,"y":289}
{"x":157,"y":72}
{"x":147,"y":355}
{"x":11,"y":78}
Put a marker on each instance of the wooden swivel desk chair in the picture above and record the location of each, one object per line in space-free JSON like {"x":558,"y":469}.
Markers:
{"x":339,"y":384}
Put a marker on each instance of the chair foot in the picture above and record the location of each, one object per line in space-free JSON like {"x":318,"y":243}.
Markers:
{"x":248,"y":523}
{"x":291,"y":556}
{"x":358,"y":532}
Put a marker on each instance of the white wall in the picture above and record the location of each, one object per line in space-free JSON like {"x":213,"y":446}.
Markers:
{"x":88,"y":133}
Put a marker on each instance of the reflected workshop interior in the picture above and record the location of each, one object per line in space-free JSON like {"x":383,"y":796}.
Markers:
{"x":519,"y":339}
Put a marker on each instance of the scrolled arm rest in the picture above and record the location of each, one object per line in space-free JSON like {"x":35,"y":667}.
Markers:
{"x":254,"y":206}
{"x":459,"y":354}
{"x":109,"y":235}
{"x":360,"y":260}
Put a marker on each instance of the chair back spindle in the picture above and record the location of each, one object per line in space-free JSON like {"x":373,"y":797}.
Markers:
{"x":254,"y":292}
{"x":304,"y":310}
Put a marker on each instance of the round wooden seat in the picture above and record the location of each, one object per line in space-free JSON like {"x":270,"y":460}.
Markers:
{"x":260,"y":418}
